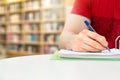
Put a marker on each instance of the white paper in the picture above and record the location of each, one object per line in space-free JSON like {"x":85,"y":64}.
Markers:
{"x":113,"y":54}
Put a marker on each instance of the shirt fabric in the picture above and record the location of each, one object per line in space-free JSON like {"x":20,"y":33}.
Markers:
{"x":104,"y":16}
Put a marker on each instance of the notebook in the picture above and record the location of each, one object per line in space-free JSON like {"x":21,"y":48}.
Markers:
{"x":114,"y":54}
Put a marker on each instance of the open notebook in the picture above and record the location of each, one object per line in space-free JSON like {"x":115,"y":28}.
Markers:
{"x":114,"y":54}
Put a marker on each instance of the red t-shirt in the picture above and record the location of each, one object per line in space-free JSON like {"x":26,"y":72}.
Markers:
{"x":104,"y":16}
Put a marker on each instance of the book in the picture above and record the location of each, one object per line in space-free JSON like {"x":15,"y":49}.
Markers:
{"x":49,"y":38}
{"x":15,"y":18}
{"x":31,"y":49}
{"x":35,"y":4}
{"x":2,"y":19}
{"x":14,"y":7}
{"x":3,"y":9}
{"x":34,"y":37}
{"x":9,"y":37}
{"x":113,"y":54}
{"x":14,"y":47}
{"x":2,"y":37}
{"x":15,"y":28}
{"x":2,"y":28}
{"x":52,"y":49}
{"x":49,"y":49}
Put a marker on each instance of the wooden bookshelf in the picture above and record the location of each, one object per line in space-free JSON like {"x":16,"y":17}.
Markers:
{"x":31,"y":27}
{"x":3,"y":26}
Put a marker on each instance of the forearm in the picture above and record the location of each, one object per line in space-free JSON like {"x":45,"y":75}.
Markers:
{"x":66,"y":39}
{"x":73,"y":26}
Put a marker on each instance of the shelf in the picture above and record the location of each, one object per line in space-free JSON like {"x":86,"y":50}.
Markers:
{"x":33,"y":21}
{"x":52,"y":7}
{"x":32,"y":43}
{"x":28,"y":53}
{"x":54,"y":44}
{"x":32,"y":32}
{"x":9,"y":42}
{"x":56,"y":32}
{"x":14,"y":1}
{"x":14,"y":33}
{"x":15,"y":12}
{"x":16,"y":54}
{"x":2,"y":23}
{"x":15,"y":22}
{"x":31,"y":27}
{"x":52,"y":20}
{"x":35,"y":10}
{"x":20,"y":53}
{"x":3,"y":2}
{"x":3,"y":14}
{"x":2,"y":41}
{"x":1,"y":33}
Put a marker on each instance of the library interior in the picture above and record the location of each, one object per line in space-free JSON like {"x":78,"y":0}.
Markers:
{"x":31,"y":27}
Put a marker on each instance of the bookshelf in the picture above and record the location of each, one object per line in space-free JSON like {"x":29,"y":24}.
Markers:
{"x":3,"y":26}
{"x":31,"y":27}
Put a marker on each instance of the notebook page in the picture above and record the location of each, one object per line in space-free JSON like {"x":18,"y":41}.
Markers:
{"x":115,"y":53}
{"x":112,"y":51}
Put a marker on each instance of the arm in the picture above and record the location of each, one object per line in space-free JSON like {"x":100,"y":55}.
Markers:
{"x":77,"y":37}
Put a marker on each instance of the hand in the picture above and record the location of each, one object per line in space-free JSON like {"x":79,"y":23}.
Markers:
{"x":90,"y":41}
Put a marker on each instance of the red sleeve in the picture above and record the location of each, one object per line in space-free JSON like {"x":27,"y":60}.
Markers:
{"x":82,"y":7}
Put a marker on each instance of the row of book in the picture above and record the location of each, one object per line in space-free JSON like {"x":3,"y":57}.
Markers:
{"x":28,"y":5}
{"x":32,"y":16}
{"x":49,"y":49}
{"x":14,"y":28}
{"x":14,"y":38}
{"x":31,"y":27}
{"x":29,"y":48}
{"x":26,"y":48}
{"x":49,"y":3}
{"x":14,"y":7}
{"x":19,"y":38}
{"x":32,"y":38}
{"x":2,"y":28}
{"x":36,"y":16}
{"x":32,"y":49}
{"x":53,"y":14}
{"x":18,"y":28}
{"x":2,"y":19}
{"x":53,"y":26}
{"x":15,"y":18}
{"x":2,"y":50}
{"x":51,"y":38}
{"x":17,"y":48}
{"x":31,"y":5}
{"x":2,"y":37}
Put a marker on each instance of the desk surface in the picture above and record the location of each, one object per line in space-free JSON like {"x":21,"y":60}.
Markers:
{"x":42,"y":68}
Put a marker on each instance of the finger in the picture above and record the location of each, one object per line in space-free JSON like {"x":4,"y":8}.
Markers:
{"x":89,"y":48}
{"x":88,"y":41}
{"x":81,"y":47}
{"x":93,"y":44}
{"x":78,"y":48}
{"x":96,"y":37}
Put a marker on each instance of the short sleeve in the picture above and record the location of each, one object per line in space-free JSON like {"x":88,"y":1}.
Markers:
{"x":82,"y":7}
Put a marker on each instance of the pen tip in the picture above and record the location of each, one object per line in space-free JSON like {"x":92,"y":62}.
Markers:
{"x":108,"y":49}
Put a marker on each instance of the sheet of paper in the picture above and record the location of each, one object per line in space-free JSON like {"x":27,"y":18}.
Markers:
{"x":114,"y":54}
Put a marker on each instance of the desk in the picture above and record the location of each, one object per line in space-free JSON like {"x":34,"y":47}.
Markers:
{"x":40,"y":67}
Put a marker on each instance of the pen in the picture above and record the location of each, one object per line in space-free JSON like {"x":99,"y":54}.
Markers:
{"x":91,"y":29}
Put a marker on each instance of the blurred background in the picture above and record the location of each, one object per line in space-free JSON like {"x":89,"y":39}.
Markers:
{"x":31,"y":27}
